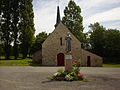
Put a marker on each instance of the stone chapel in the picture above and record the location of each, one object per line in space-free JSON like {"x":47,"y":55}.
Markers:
{"x":53,"y":49}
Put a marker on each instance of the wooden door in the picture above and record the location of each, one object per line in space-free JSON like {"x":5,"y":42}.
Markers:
{"x":60,"y":59}
{"x":88,"y":61}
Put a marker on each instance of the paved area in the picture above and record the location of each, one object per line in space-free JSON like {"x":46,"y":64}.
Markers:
{"x":35,"y":78}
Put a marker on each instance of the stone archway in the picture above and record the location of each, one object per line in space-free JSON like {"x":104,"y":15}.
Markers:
{"x":60,"y":59}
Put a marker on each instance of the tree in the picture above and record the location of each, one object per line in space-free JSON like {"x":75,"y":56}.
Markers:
{"x":105,"y":42}
{"x":26,"y":26}
{"x":40,"y":38}
{"x":112,"y":43}
{"x":97,"y":38}
{"x":5,"y":28}
{"x":73,"y":20}
{"x":15,"y":22}
{"x":16,"y":25}
{"x":1,"y":50}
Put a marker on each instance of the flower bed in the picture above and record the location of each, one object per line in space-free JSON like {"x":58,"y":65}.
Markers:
{"x":73,"y":75}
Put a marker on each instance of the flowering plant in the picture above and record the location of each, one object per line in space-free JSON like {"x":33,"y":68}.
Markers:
{"x":73,"y":75}
{"x":68,"y":77}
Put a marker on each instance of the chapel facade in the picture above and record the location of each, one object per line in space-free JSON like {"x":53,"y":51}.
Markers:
{"x":53,"y":49}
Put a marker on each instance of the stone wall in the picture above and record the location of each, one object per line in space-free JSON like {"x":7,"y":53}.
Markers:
{"x":37,"y":57}
{"x":51,"y":46}
{"x":95,"y":59}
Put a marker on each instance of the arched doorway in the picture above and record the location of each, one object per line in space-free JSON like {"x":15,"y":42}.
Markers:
{"x":60,"y":59}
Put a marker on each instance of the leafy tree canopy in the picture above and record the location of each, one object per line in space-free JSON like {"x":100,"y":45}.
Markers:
{"x":73,"y":20}
{"x":104,"y":42}
{"x":40,"y":38}
{"x":97,"y":38}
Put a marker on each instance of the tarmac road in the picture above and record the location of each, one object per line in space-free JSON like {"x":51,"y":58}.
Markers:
{"x":35,"y":78}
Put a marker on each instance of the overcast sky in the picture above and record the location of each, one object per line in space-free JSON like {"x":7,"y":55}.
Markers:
{"x":106,"y":12}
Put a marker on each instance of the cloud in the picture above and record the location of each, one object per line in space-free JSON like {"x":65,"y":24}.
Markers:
{"x":87,"y":4}
{"x":110,"y":15}
{"x":112,"y":25}
{"x":44,"y":16}
{"x":92,"y":11}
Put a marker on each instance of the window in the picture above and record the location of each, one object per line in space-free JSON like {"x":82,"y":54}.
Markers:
{"x":61,"y":41}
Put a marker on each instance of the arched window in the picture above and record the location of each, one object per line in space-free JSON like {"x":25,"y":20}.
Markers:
{"x":61,"y":41}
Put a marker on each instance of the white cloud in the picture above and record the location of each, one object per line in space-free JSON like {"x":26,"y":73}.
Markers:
{"x":93,"y":3}
{"x":110,"y":15}
{"x":45,"y":12}
{"x":115,"y":25}
{"x":44,"y":15}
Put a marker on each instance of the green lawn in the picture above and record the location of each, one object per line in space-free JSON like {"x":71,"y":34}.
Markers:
{"x":111,"y":65}
{"x":24,"y":62}
{"x":28,"y":62}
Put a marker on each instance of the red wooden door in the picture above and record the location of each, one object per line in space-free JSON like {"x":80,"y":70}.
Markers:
{"x":60,"y":59}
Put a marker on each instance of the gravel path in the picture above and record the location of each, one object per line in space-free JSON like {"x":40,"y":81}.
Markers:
{"x":35,"y":78}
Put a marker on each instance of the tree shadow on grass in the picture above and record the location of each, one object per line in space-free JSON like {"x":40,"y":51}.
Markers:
{"x":40,"y":65}
{"x":34,"y":64}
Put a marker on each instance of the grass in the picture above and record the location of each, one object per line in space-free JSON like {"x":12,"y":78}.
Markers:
{"x":28,"y":62}
{"x":111,"y":65}
{"x":2,"y":57}
{"x":23,"y":62}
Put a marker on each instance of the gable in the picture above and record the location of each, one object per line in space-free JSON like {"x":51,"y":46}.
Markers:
{"x":61,"y":31}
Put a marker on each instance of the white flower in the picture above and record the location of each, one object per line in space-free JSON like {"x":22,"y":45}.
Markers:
{"x":57,"y":73}
{"x":69,"y":77}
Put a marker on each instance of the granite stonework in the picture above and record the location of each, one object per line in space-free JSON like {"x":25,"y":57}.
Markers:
{"x":55,"y":44}
{"x":37,"y":57}
{"x":68,"y":62}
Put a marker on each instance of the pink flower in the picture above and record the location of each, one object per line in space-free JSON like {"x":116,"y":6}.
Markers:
{"x":80,"y":75}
